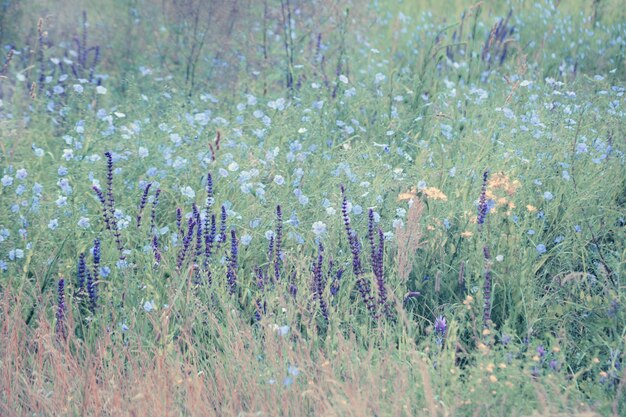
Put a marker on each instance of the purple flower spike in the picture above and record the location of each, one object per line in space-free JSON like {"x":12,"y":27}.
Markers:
{"x":155,"y":202}
{"x":105,"y":211}
{"x":355,"y":247}
{"x":143,"y":202}
{"x":483,"y":207}
{"x":440,"y":326}
{"x":60,"y":325}
{"x":278,"y":243}
{"x":182,"y":253}
{"x":179,"y":222}
{"x":80,"y":273}
{"x":222,"y":238}
{"x":231,"y":273}
{"x":96,"y":259}
{"x":155,"y":250}
{"x":92,"y":291}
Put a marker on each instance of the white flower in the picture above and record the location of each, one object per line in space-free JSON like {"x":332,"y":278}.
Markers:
{"x":53,"y":224}
{"x":343,"y":79}
{"x":378,"y":78}
{"x":101,"y":90}
{"x":188,"y":192}
{"x":319,"y":228}
{"x":78,"y":88}
{"x":148,"y":306}
{"x":142,"y":152}
{"x":84,"y":222}
{"x":233,"y":166}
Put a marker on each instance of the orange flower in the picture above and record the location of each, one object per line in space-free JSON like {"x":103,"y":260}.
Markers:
{"x":434,"y":193}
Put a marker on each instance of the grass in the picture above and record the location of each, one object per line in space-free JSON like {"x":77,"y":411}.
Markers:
{"x":380,"y":132}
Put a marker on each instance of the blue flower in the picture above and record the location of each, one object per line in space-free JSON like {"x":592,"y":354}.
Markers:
{"x":541,"y":249}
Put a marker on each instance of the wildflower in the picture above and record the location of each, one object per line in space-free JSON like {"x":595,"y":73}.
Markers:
{"x":482,"y":202}
{"x":434,"y":193}
{"x":60,"y":325}
{"x":83,"y":222}
{"x":101,"y":90}
{"x":440,"y":325}
{"x":188,"y":192}
{"x":541,"y":249}
{"x":319,"y":228}
{"x":148,"y":306}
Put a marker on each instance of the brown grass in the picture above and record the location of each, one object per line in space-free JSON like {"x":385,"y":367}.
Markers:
{"x":409,"y":239}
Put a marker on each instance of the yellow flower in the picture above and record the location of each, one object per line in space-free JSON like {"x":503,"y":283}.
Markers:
{"x":466,"y":233}
{"x":531,"y":209}
{"x":434,"y":194}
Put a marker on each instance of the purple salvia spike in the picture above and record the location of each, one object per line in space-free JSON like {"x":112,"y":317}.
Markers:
{"x":293,"y":288}
{"x":355,"y":247}
{"x":222,"y":238}
{"x":179,"y":222}
{"x":208,"y":241}
{"x":198,"y":251}
{"x":80,"y":273}
{"x":231,"y":273}
{"x":182,"y":253}
{"x":110,"y":197}
{"x":318,"y":282}
{"x":380,"y":274}
{"x":105,"y":211}
{"x":207,"y":218}
{"x":260,"y":279}
{"x":92,"y":291}
{"x":61,"y":310}
{"x":155,"y":250}
{"x":142,"y":203}
{"x":278,"y":242}
{"x":482,"y":202}
{"x":155,"y":202}
{"x":334,"y":287}
{"x":96,"y":259}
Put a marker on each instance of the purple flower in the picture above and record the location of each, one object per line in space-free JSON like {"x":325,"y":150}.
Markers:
{"x":278,"y":242}
{"x":319,"y":283}
{"x":231,"y":273}
{"x":142,"y":203}
{"x":182,"y":253}
{"x":355,"y":247}
{"x":541,"y":249}
{"x":223,"y":217}
{"x":96,"y":258}
{"x":155,"y":202}
{"x":483,"y":207}
{"x":440,"y":326}
{"x":80,"y":273}
{"x":60,"y":325}
{"x":541,"y":351}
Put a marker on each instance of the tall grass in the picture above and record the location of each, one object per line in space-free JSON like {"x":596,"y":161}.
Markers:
{"x":313,"y":208}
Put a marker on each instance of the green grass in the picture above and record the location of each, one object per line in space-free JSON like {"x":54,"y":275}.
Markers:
{"x":418,"y":109}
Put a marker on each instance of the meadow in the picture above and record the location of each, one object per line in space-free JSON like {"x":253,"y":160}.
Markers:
{"x":312,"y":208}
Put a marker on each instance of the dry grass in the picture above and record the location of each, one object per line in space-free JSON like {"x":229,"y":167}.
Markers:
{"x":409,"y":239}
